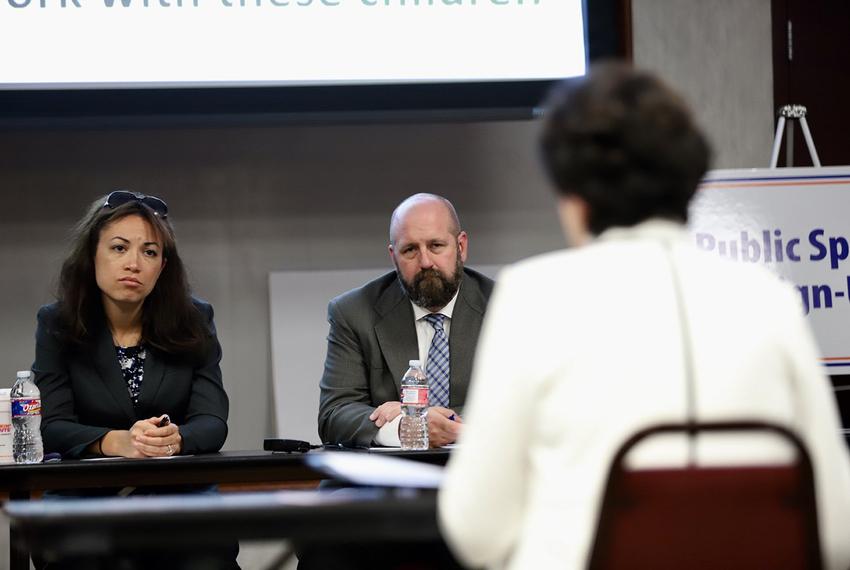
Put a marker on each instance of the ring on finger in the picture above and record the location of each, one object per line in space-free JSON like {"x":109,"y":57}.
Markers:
{"x":170,"y":450}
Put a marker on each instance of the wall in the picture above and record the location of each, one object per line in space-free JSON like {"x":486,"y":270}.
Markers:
{"x":718,"y":54}
{"x":249,"y":201}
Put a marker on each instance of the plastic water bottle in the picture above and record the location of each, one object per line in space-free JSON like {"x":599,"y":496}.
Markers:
{"x":26,"y":420}
{"x":6,"y":427}
{"x":413,"y":428}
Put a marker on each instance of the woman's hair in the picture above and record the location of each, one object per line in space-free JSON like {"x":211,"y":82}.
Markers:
{"x":625,"y":143}
{"x":170,"y":321}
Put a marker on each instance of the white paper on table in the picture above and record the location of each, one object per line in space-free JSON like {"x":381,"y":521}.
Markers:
{"x":384,"y":448}
{"x":366,"y":469}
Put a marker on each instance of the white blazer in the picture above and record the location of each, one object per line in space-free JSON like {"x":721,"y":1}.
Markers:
{"x":581,"y":348}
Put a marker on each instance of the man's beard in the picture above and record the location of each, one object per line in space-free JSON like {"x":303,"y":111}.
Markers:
{"x":431,"y":289}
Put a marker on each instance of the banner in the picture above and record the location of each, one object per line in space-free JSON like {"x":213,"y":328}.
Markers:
{"x":795,"y":222}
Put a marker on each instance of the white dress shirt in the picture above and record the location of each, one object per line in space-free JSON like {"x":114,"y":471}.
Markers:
{"x":388,"y":433}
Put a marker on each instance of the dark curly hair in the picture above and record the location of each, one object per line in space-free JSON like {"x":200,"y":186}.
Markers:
{"x":170,"y":321}
{"x":625,"y":143}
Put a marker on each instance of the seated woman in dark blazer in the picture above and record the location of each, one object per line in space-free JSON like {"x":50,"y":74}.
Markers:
{"x":125,"y":343}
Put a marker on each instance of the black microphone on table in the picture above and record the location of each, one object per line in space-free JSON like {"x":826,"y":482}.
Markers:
{"x":288,"y":445}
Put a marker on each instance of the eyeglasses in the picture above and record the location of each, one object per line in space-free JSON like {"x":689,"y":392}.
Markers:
{"x":121,"y":197}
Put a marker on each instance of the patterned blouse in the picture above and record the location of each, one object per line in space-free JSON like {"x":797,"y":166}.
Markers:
{"x":132,"y":361}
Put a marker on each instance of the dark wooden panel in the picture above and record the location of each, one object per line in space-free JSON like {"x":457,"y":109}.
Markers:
{"x":816,"y":73}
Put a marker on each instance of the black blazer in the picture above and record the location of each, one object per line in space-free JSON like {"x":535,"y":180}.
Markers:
{"x":84,"y":395}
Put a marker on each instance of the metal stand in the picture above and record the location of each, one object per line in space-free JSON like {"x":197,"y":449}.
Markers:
{"x":792,"y":112}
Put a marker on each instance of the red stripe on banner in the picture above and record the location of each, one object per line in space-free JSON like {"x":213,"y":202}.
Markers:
{"x":758,"y":184}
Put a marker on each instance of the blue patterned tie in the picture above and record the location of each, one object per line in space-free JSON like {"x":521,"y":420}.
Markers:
{"x":438,"y":362}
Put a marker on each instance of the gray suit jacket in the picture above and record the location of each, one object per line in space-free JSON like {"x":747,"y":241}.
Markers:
{"x":372,"y":337}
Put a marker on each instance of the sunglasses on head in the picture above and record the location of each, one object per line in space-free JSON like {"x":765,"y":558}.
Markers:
{"x":120,"y":197}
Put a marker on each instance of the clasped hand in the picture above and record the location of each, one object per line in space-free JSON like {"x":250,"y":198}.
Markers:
{"x":154,"y":441}
{"x":144,"y":439}
{"x":441,"y":429}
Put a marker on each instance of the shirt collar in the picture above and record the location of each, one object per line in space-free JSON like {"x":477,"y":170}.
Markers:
{"x":419,"y":312}
{"x":654,"y":228}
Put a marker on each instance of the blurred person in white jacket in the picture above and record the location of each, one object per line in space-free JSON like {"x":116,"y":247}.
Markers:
{"x":582,"y":348}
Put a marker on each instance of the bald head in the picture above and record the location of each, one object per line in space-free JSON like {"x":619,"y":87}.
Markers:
{"x":421,"y":204}
{"x":428,"y":249}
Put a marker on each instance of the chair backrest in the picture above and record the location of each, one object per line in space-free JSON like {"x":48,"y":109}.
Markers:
{"x":709,"y":517}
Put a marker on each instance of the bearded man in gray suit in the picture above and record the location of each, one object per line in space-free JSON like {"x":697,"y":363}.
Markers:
{"x":377,"y":328}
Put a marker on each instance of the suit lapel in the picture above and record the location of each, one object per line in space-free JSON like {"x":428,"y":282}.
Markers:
{"x":152,"y":379}
{"x":396,"y":332}
{"x":463,"y":337}
{"x":109,"y":371}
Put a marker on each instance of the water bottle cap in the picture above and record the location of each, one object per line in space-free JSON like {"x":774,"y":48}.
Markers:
{"x":413,"y":363}
{"x":24,"y":374}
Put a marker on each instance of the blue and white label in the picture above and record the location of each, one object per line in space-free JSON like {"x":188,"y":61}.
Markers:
{"x":26,"y":407}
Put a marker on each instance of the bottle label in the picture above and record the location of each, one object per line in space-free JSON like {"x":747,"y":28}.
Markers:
{"x":415,"y":396}
{"x":26,"y":407}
